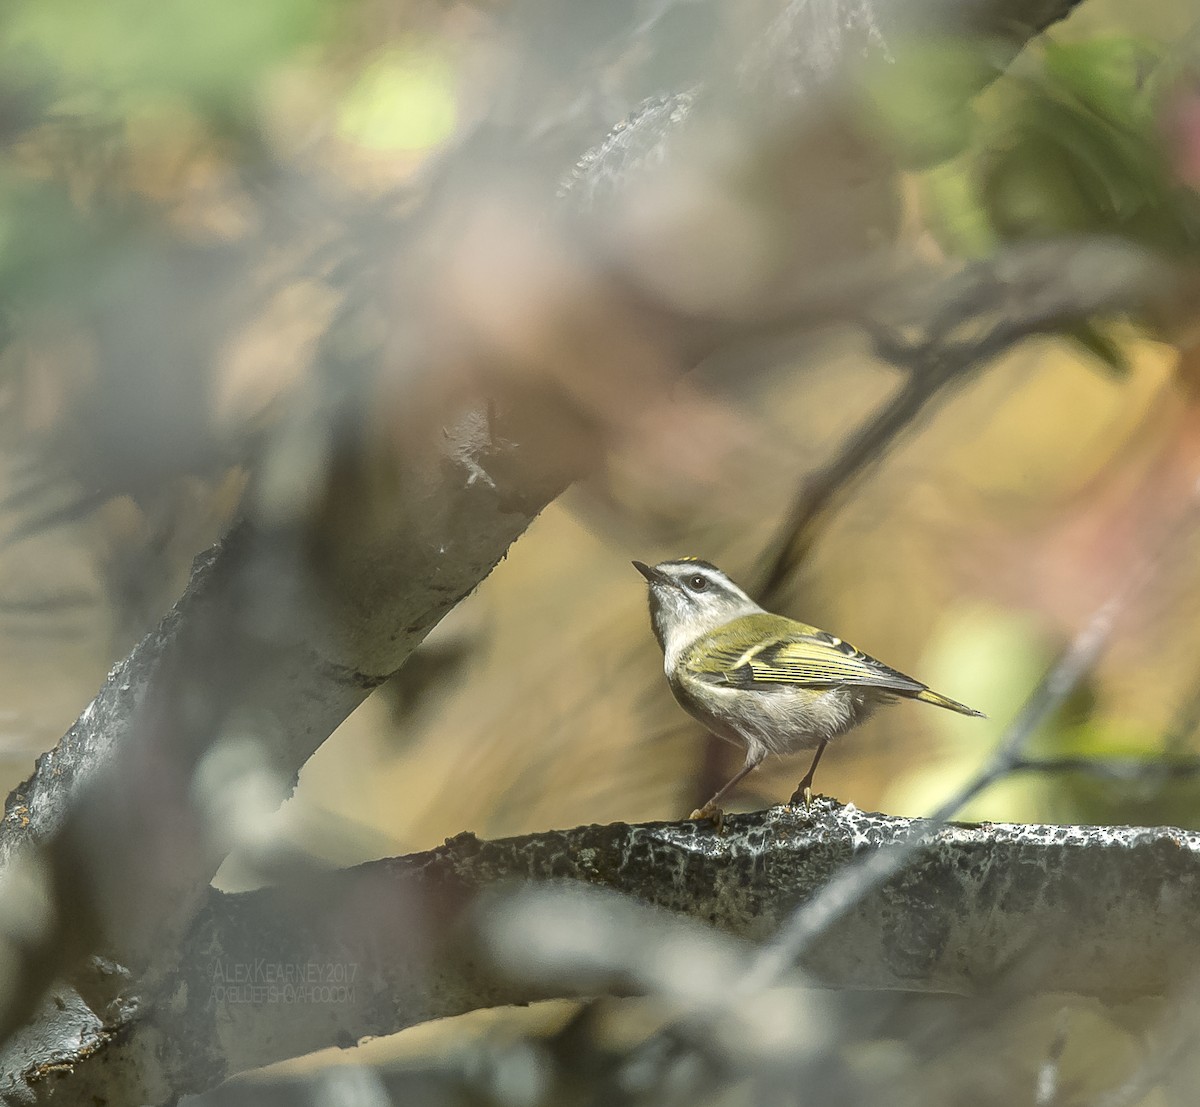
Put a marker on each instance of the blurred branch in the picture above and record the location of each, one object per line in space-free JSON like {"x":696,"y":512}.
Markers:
{"x":820,"y":491}
{"x":1110,"y":912}
{"x":256,"y":647}
{"x":1122,"y":770}
{"x":946,"y":328}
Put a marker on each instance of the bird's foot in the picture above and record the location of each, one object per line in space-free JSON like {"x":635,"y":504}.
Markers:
{"x":712,"y":813}
{"x":802,"y":795}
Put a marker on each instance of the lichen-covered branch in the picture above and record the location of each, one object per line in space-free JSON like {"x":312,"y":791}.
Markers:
{"x":1109,"y":912}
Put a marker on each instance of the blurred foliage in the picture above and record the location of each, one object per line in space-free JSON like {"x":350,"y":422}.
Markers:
{"x":402,"y":100}
{"x":991,"y":657}
{"x":1070,"y":142}
{"x":1081,"y":151}
{"x":1079,"y":137}
{"x":101,"y":56}
{"x":923,"y":104}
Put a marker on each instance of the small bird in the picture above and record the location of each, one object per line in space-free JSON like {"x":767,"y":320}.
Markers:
{"x":759,"y":680}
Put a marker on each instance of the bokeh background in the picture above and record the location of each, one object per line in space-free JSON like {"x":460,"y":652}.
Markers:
{"x":173,"y":188}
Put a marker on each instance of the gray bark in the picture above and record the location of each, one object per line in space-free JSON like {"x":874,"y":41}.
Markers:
{"x":1112,"y":912}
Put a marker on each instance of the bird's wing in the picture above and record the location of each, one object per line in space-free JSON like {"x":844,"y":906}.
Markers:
{"x":770,"y":652}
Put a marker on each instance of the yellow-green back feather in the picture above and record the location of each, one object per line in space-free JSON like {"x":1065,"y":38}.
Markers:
{"x":764,"y":651}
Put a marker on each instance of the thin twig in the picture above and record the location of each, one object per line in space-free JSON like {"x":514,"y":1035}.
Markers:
{"x":1123,"y":770}
{"x":815,"y":497}
{"x":968,"y":319}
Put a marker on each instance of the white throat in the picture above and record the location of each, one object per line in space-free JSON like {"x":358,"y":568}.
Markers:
{"x":677,"y":632}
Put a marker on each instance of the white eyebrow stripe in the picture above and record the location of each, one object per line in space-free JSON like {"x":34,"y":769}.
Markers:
{"x":715,"y":579}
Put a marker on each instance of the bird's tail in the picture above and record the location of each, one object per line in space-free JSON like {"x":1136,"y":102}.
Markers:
{"x":936,"y":698}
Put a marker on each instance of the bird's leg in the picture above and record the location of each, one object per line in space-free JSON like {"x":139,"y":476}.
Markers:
{"x":710,"y":810}
{"x":803,"y":792}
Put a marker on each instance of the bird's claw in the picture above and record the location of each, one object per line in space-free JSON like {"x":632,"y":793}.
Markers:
{"x":802,"y":795}
{"x":712,"y":813}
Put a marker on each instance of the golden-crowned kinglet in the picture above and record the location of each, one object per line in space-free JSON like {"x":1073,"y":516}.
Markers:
{"x":760,"y":680}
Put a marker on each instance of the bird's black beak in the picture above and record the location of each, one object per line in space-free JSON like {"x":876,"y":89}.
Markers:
{"x":651,"y":575}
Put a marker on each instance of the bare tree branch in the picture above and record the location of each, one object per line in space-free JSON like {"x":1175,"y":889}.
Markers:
{"x":963,"y":320}
{"x":1120,"y":770}
{"x":367,"y":951}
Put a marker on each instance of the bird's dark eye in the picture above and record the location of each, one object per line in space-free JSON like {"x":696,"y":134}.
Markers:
{"x":697,"y":583}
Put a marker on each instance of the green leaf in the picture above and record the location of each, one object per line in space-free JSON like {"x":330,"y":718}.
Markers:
{"x":211,"y":53}
{"x":922,"y":102}
{"x":1077,"y":149}
{"x":956,"y":208}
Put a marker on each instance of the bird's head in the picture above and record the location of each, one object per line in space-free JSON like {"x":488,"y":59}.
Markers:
{"x":688,"y":598}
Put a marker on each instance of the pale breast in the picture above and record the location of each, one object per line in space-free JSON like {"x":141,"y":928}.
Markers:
{"x":782,"y":721}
